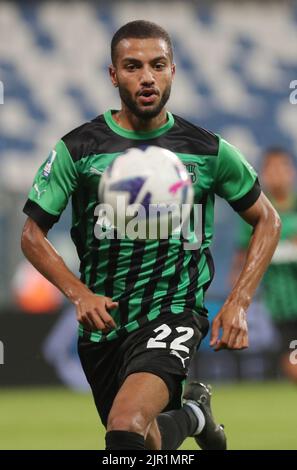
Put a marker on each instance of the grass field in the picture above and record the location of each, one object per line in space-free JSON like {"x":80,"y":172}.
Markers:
{"x":256,"y":416}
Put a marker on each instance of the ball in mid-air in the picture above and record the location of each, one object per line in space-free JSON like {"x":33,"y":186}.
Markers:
{"x":146,"y":191}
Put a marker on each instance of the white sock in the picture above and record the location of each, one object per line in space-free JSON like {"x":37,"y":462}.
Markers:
{"x":199,"y":415}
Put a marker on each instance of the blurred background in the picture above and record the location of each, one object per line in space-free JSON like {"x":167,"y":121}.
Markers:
{"x":235,"y":63}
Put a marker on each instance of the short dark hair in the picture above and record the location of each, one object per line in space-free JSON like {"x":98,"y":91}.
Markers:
{"x":276,"y":150}
{"x":140,"y":29}
{"x":279,"y":151}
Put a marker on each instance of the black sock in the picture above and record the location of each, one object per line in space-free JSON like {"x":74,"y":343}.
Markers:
{"x":175,"y":426}
{"x":124,"y":440}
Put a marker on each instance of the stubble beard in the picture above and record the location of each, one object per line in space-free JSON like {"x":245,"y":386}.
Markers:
{"x":143,"y":113}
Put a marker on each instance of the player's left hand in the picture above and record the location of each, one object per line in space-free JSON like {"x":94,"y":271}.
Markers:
{"x":232,"y":320}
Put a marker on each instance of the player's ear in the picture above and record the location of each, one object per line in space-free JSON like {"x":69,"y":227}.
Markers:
{"x":113,"y":75}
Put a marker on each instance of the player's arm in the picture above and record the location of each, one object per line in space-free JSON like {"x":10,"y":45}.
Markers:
{"x":236,"y":267}
{"x":232,"y":316}
{"x":54,"y":183}
{"x":242,"y":242}
{"x":236,"y":181}
{"x":92,"y":310}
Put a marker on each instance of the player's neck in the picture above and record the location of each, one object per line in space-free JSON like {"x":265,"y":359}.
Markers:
{"x":126,"y":119}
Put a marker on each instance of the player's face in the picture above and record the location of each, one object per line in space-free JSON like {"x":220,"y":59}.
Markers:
{"x":143,"y":73}
{"x":279,"y":174}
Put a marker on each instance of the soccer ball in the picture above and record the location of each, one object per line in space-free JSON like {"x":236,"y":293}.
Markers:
{"x":147,"y":193}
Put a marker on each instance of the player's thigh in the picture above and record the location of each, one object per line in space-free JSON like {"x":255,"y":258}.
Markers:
{"x":140,"y":399}
{"x":165,"y":348}
{"x":101,"y":364}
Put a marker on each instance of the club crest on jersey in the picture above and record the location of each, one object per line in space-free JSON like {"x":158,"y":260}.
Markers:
{"x":192,"y":169}
{"x":48,"y":166}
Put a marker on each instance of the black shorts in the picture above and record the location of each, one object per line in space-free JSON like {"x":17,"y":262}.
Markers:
{"x":163,"y":347}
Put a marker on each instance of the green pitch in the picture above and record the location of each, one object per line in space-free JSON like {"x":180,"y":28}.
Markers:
{"x":256,"y":416}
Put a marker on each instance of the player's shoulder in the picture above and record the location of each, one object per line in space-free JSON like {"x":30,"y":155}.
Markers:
{"x":206,"y":140}
{"x":85,"y":139}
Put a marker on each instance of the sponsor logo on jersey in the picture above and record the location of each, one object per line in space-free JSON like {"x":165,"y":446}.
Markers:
{"x":48,"y":166}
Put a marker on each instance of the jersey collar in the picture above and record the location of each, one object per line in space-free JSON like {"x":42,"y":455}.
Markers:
{"x":140,"y":135}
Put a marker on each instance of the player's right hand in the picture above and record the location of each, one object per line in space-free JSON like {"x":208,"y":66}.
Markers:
{"x":92,"y":312}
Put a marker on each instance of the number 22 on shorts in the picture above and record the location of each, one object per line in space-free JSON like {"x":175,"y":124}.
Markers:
{"x":186,"y":333}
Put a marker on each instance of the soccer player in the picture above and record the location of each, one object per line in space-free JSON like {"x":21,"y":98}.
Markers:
{"x":278,"y":288}
{"x":140,"y":304}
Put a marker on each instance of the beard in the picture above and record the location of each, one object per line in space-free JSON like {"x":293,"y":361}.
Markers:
{"x":143,"y":113}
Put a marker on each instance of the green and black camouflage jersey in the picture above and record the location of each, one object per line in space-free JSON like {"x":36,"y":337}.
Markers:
{"x":278,"y":287}
{"x":148,"y":278}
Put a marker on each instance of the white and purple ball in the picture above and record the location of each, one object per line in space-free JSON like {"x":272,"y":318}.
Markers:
{"x":148,"y":182}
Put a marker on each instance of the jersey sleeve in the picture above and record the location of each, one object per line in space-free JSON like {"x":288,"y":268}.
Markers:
{"x":52,"y":187}
{"x":236,"y":180}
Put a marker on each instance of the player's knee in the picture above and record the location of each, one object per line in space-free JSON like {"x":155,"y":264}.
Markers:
{"x":127,"y":421}
{"x":153,"y":437}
